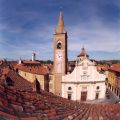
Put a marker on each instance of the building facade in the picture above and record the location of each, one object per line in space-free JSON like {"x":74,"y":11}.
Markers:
{"x":113,"y":82}
{"x":35,"y":73}
{"x":85,"y":82}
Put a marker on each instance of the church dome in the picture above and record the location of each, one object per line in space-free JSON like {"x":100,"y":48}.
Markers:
{"x":83,"y":53}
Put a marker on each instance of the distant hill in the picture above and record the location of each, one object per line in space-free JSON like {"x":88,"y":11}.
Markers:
{"x":109,"y":62}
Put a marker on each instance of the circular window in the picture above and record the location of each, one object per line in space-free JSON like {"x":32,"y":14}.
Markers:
{"x":84,"y":72}
{"x":59,"y":45}
{"x":98,"y":88}
{"x":69,"y":88}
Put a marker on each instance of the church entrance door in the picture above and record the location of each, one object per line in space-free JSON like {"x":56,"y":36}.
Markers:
{"x":83,"y":96}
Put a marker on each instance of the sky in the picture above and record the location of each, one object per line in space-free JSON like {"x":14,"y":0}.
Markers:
{"x":27,"y":26}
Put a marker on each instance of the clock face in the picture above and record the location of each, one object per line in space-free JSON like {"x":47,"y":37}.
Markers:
{"x":59,"y":59}
{"x":59,"y":56}
{"x":59,"y":68}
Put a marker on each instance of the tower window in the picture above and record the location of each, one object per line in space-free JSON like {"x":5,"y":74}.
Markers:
{"x":59,"y":45}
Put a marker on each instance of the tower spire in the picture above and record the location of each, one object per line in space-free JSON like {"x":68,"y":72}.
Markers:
{"x":60,"y":28}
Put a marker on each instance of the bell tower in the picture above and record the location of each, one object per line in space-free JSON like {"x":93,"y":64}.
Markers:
{"x":60,"y":54}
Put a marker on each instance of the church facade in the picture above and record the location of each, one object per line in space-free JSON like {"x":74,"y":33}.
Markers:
{"x":85,"y":82}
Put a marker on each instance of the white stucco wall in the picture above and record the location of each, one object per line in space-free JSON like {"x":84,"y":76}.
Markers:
{"x":77,"y":83}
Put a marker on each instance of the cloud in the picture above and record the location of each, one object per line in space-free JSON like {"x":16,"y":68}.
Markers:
{"x":27,"y":26}
{"x":39,"y":40}
{"x":95,"y":37}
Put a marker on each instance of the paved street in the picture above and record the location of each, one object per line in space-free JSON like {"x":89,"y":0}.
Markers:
{"x":112,"y":98}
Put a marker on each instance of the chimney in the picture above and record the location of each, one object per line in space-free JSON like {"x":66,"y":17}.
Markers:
{"x":20,"y":61}
{"x":33,"y":56}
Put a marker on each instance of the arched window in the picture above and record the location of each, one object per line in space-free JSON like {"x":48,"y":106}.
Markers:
{"x":69,"y":88}
{"x":59,"y":45}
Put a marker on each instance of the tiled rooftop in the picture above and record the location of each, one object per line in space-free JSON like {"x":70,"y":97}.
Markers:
{"x":19,"y":82}
{"x":102,"y":67}
{"x":29,"y":105}
{"x":16,"y":80}
{"x":42,"y":70}
{"x":46,"y":106}
{"x":115,"y":67}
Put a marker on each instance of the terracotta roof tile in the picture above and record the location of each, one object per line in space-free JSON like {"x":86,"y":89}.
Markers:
{"x":30,"y":118}
{"x":115,"y":67}
{"x":103,"y":67}
{"x":26,"y":105}
{"x":19,"y":82}
{"x":7,"y":116}
{"x":46,"y":106}
{"x":42,"y":70}
{"x":32,"y":62}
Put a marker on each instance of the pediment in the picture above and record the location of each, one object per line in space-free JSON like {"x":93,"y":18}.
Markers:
{"x":86,"y":62}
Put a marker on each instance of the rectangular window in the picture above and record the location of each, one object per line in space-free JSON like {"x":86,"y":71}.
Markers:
{"x":69,"y":96}
{"x":97,"y":96}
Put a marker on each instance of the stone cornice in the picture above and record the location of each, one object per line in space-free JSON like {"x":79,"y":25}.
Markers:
{"x":85,"y":82}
